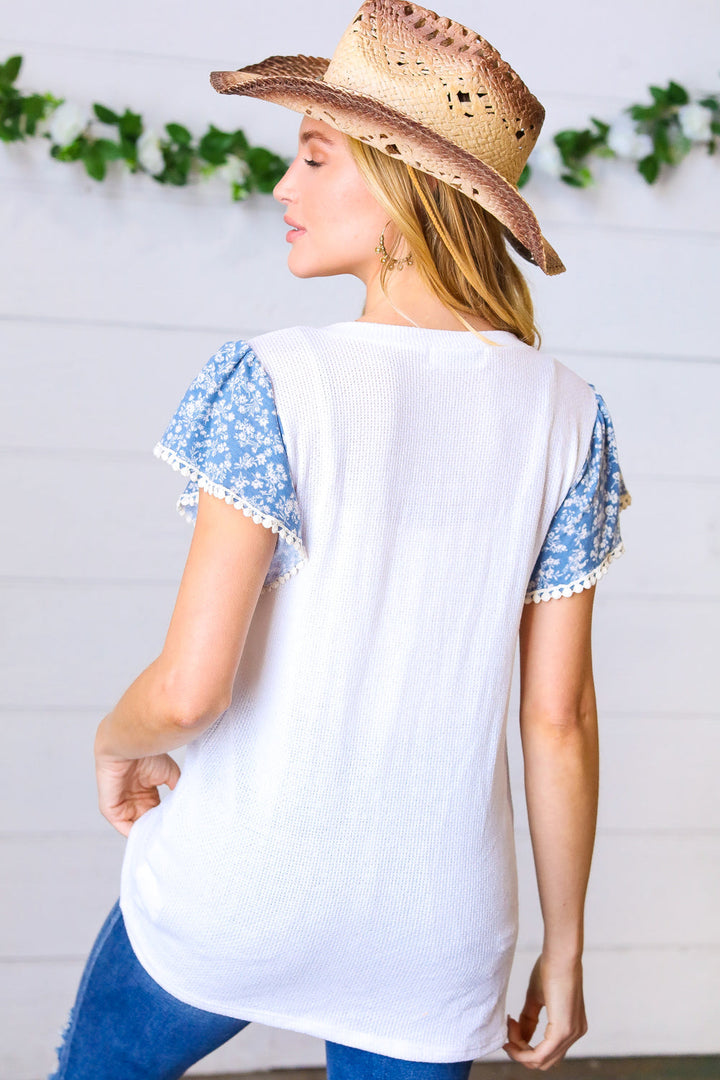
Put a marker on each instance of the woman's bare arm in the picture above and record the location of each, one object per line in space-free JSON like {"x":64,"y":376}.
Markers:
{"x":558,"y":724}
{"x":189,"y":685}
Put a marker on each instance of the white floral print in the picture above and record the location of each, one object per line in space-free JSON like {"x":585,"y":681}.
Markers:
{"x":584,"y":535}
{"x":226,"y":436}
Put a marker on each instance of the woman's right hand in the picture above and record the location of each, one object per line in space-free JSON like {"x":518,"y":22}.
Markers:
{"x":557,"y":987}
{"x":128,"y":789}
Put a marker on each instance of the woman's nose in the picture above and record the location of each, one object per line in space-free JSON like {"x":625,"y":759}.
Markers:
{"x":281,"y":191}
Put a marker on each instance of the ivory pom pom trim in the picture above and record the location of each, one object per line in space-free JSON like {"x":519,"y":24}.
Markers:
{"x":554,"y":592}
{"x":186,"y":469}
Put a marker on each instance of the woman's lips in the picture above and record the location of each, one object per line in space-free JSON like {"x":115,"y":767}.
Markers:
{"x":295,"y":231}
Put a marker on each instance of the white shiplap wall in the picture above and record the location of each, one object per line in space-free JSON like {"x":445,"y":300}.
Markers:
{"x":111,"y":298}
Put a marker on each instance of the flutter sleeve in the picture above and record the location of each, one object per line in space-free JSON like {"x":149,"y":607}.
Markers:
{"x":584,"y":535}
{"x":226,"y":436}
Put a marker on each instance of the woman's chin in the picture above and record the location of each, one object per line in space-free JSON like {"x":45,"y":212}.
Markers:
{"x":301,"y":271}
{"x":304,"y":268}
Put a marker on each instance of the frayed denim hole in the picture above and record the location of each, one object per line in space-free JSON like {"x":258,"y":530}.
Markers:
{"x":60,"y":1050}
{"x":63,"y":1051}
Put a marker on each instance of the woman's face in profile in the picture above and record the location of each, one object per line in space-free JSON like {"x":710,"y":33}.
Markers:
{"x":339,"y":221}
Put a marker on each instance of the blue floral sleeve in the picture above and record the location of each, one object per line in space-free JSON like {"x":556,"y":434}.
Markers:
{"x":584,"y":535}
{"x":226,"y":437}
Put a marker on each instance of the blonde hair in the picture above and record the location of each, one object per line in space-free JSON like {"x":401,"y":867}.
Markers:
{"x":458,"y":247}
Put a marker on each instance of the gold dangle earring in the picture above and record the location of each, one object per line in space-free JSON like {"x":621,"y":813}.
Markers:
{"x":392,"y":264}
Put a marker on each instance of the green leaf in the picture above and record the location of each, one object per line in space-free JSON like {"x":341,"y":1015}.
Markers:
{"x":239,"y":142}
{"x":179,"y":133}
{"x":10,"y":70}
{"x":129,"y":149}
{"x":602,"y":127}
{"x":572,"y":180}
{"x":177,"y":165}
{"x":649,"y":167}
{"x":107,"y":149}
{"x":644,"y":112}
{"x":94,"y":162}
{"x":72,"y":152}
{"x":524,"y":176}
{"x":266,"y":168}
{"x":130,"y":124}
{"x":715,"y":127}
{"x":710,"y":103}
{"x":107,"y":116}
{"x":661,"y":144}
{"x":258,"y":158}
{"x":677,"y":95}
{"x":33,"y":108}
{"x":214,"y":146}
{"x":52,"y":101}
{"x":661,"y":96}
{"x":239,"y":191}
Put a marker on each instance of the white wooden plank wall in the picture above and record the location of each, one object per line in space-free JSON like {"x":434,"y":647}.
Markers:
{"x":111,"y":298}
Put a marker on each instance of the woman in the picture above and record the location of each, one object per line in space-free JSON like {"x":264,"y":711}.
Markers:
{"x":337,"y":857}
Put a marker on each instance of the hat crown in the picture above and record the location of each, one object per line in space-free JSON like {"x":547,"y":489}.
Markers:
{"x":443,"y":75}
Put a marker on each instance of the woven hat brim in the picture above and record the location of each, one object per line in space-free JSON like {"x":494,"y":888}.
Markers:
{"x":296,"y":82}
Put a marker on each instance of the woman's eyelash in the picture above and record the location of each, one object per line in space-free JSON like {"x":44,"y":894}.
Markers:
{"x":309,"y":161}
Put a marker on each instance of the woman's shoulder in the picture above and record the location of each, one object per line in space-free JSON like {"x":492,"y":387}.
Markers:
{"x":569,"y":386}
{"x":287,"y":349}
{"x":287,"y":337}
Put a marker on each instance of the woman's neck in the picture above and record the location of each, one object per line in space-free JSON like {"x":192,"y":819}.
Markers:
{"x":409,"y":303}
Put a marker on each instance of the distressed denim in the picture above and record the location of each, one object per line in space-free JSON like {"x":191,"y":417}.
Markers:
{"x":124,"y":1026}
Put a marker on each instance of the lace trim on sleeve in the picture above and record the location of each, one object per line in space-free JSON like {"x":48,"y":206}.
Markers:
{"x":190,"y":499}
{"x":226,"y":437}
{"x":584,"y":535}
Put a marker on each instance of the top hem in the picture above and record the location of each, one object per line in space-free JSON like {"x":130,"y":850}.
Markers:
{"x":399,"y":1048}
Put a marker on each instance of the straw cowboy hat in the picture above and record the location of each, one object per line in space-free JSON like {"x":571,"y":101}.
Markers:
{"x":428,"y":91}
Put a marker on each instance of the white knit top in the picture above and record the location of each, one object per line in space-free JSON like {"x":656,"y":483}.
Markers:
{"x":337,"y":857}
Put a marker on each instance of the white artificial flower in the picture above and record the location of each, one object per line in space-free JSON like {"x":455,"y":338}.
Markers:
{"x":626,"y":141}
{"x":149,"y":153}
{"x":235,"y":170}
{"x":695,"y":120}
{"x":66,"y":123}
{"x":546,"y":157}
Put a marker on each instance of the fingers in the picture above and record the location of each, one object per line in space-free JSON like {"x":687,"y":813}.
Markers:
{"x":122,"y":825}
{"x":516,"y":1039}
{"x":529,"y":1017}
{"x":173,"y":773}
{"x":547,"y":1053}
{"x":122,"y":812}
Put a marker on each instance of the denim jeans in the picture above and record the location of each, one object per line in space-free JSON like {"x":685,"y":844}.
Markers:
{"x":123,"y":1026}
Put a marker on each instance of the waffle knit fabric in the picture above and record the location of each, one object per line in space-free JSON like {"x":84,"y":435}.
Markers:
{"x":337,"y":857}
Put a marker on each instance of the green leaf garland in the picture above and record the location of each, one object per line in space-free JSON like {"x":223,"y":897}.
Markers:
{"x":655,"y":136}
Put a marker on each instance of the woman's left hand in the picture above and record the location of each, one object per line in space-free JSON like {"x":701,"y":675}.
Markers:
{"x":558,"y":988}
{"x":127,"y":789}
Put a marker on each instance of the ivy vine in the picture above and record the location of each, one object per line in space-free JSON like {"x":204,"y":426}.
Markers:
{"x":653,"y":135}
{"x":169,"y":159}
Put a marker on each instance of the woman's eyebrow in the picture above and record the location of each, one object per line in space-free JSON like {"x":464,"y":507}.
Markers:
{"x":308,"y":135}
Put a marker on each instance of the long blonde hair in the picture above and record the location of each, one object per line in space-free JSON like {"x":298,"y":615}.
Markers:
{"x":458,"y":247}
